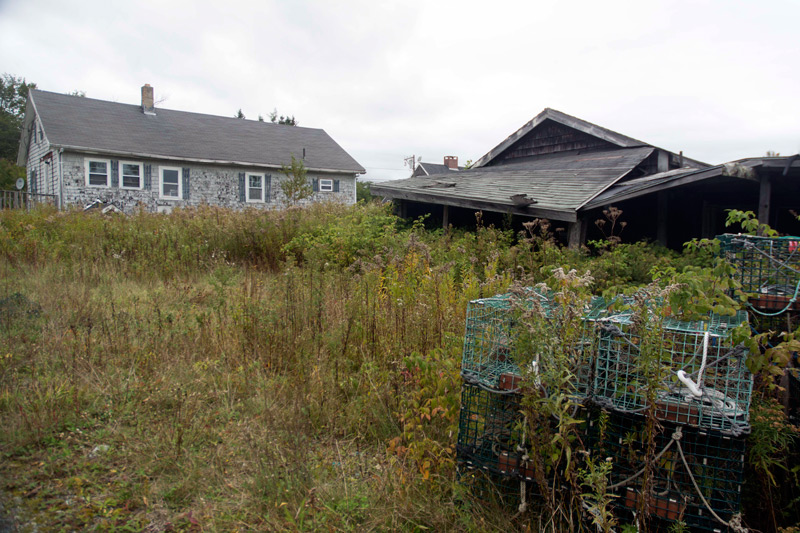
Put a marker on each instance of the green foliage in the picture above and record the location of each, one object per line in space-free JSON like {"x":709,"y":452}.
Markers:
{"x":9,"y":174}
{"x":13,"y":95}
{"x":296,"y":186}
{"x":363,"y":193}
{"x":749,"y":223}
{"x":285,"y":120}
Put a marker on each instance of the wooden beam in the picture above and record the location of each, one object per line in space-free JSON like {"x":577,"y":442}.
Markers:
{"x":576,"y":234}
{"x":764,"y":194}
{"x":445,"y":217}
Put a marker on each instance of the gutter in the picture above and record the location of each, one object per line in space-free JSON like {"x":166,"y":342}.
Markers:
{"x":94,"y":151}
{"x":60,"y":178}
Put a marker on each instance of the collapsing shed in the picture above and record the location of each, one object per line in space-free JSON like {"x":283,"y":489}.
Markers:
{"x":568,"y":170}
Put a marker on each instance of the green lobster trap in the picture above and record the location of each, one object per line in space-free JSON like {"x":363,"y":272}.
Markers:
{"x":700,"y":377}
{"x":489,"y":358}
{"x":696,"y":475}
{"x":490,"y":435}
{"x":768,"y":269}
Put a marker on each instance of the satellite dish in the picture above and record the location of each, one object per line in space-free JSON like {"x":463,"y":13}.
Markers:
{"x":20,"y":183}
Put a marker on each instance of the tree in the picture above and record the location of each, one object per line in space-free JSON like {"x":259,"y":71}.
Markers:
{"x":296,"y":186}
{"x":239,"y":114}
{"x":13,"y":95}
{"x":363,"y":192}
{"x":286,"y":121}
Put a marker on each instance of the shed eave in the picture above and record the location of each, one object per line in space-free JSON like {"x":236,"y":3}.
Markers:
{"x":565,"y":215}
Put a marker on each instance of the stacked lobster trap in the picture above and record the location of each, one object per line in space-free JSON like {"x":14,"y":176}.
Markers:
{"x":704,"y":382}
{"x":695,"y":476}
{"x":702,"y":405}
{"x":491,"y":435}
{"x":768,"y":269}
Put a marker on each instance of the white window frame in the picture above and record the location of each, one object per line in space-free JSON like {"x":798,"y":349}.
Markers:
{"x":86,"y":164}
{"x":247,"y":187}
{"x":325,"y":185}
{"x":141,"y":175}
{"x":161,"y":183}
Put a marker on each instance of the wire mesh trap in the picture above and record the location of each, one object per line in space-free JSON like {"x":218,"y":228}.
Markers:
{"x":490,"y":356}
{"x":489,"y":431}
{"x":701,"y":378}
{"x":695,"y":475}
{"x":768,"y":269}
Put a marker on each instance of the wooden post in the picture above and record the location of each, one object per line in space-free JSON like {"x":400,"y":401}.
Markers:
{"x":707,"y":221}
{"x":662,"y":220}
{"x":445,"y":217}
{"x":576,"y":234}
{"x":764,"y":194}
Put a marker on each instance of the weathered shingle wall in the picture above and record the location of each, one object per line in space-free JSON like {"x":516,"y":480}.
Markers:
{"x":41,"y":177}
{"x":216,"y":185}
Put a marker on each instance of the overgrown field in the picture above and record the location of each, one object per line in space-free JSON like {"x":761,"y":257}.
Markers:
{"x":296,"y":370}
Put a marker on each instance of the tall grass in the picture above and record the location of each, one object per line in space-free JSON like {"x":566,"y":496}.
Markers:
{"x":219,"y":370}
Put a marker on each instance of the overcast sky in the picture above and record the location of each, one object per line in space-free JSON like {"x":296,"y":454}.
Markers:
{"x":719,"y":80}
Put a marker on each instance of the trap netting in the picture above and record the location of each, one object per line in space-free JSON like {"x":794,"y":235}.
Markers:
{"x":490,"y":432}
{"x":492,"y":360}
{"x":691,"y":369}
{"x":696,"y":475}
{"x":768,"y":269}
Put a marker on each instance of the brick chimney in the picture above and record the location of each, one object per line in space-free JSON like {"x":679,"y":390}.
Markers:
{"x":148,"y":108}
{"x":451,"y":162}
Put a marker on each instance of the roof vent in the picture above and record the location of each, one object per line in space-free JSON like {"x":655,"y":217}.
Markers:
{"x":148,"y":107}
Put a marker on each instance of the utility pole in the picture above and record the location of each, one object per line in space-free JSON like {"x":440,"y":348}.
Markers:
{"x":411,"y":162}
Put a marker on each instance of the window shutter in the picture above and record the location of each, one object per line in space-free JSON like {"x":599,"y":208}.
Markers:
{"x":185,"y":183}
{"x":315,"y":185}
{"x":335,"y":185}
{"x":241,"y":187}
{"x":148,"y":177}
{"x":267,"y":187}
{"x":114,"y":170}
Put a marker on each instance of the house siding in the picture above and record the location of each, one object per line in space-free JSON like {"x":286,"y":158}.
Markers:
{"x":41,"y":177}
{"x":208,"y":184}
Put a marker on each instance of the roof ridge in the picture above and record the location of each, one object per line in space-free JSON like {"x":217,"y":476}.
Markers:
{"x":170,"y":110}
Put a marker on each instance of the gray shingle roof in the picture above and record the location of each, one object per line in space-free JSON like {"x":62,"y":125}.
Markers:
{"x":576,"y":123}
{"x":436,"y":168}
{"x":98,"y":125}
{"x":561,"y":183}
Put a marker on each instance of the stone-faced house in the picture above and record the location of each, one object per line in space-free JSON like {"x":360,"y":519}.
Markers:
{"x":81,"y":149}
{"x":568,"y":170}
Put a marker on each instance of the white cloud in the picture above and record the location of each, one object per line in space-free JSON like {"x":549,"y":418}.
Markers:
{"x":714,"y":78}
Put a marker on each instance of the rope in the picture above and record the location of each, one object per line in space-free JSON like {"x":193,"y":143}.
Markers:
{"x":734,"y":524}
{"x":676,"y":436}
{"x":788,"y":305}
{"x":696,"y":388}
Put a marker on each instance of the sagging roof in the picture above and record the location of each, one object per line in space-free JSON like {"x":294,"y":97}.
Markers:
{"x":559,"y":184}
{"x":662,"y":181}
{"x":87,"y":124}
